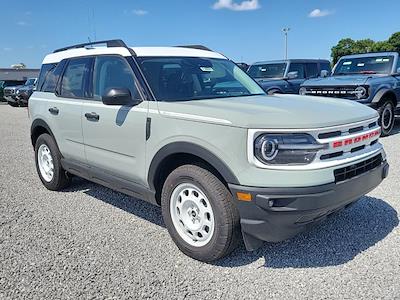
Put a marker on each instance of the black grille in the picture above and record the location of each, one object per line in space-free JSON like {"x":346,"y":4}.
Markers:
{"x":328,"y":135}
{"x":356,"y":129}
{"x":334,"y":91}
{"x":357,"y":169}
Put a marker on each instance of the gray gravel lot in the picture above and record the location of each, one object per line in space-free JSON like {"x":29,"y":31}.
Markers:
{"x":91,"y":242}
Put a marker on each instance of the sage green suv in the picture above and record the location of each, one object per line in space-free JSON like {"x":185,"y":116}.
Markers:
{"x":186,"y":129}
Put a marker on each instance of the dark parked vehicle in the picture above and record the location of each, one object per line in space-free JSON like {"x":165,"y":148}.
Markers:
{"x":26,"y":91}
{"x":372,"y":79}
{"x":286,"y":76}
{"x":12,"y":93}
{"x":8,"y":83}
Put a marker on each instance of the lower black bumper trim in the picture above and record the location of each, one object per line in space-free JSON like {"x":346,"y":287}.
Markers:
{"x":277,"y":214}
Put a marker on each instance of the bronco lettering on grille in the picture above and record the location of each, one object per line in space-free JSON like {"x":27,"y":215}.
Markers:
{"x":357,"y":139}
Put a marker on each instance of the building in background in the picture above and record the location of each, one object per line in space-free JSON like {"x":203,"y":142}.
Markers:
{"x":9,"y":74}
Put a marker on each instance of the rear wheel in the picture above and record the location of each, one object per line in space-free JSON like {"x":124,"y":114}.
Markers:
{"x":48,"y":164}
{"x":199,"y":213}
{"x":387,"y":117}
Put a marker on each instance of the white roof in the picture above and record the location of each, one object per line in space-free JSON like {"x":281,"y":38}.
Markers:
{"x":140,"y":52}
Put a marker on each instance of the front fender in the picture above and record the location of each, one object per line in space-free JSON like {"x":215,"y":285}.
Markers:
{"x":381,"y":92}
{"x":193,"y":149}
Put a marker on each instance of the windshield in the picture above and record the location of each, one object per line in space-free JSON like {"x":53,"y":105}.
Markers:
{"x":365,"y":65}
{"x":267,"y":70}
{"x":188,"y":78}
{"x":30,"y":81}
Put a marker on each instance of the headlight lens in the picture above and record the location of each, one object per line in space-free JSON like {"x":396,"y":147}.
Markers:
{"x":302,"y":91}
{"x":286,"y":149}
{"x":361,"y":92}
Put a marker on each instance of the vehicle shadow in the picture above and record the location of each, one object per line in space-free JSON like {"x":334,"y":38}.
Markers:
{"x":396,"y":128}
{"x":335,"y":241}
{"x":139,"y":208}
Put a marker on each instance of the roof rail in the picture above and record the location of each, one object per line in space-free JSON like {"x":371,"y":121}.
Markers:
{"x":108,"y":43}
{"x":200,"y":47}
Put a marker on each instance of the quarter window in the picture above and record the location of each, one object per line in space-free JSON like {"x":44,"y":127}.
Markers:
{"x":299,"y":68}
{"x":49,"y":77}
{"x":73,"y":84}
{"x":113,"y":72}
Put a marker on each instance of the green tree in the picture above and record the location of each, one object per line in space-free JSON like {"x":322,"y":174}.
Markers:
{"x":383,"y":46}
{"x":348,"y":46}
{"x":364,"y":46}
{"x":344,"y":47}
{"x":394,"y":40}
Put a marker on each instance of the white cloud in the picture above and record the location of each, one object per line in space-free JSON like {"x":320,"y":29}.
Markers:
{"x":140,"y":12}
{"x":22,"y":23}
{"x":230,"y":4}
{"x":319,"y":13}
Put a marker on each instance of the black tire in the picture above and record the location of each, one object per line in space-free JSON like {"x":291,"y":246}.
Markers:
{"x":226,"y":216}
{"x":387,"y":117}
{"x":60,"y":178}
{"x":274,"y":91}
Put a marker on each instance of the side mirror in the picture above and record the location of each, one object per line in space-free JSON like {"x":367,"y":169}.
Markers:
{"x":292,"y":75}
{"x":117,"y":96}
{"x":398,"y":71}
{"x":324,"y":73}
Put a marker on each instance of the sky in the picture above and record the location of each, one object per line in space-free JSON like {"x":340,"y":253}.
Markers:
{"x":248,"y":31}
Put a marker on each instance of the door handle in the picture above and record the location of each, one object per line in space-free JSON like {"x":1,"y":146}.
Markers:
{"x":54,"y":110}
{"x":92,"y":116}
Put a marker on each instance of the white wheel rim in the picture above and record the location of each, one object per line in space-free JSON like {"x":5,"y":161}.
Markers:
{"x":45,"y":162}
{"x":387,"y":116}
{"x":192,"y":215}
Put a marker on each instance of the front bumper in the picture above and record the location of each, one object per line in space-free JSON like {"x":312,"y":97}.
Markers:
{"x":277,"y":214}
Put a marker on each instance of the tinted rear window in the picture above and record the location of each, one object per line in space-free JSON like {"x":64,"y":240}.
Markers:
{"x":51,"y":78}
{"x":43,"y":74}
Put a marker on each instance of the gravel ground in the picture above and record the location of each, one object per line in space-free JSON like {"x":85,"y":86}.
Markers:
{"x":91,"y":242}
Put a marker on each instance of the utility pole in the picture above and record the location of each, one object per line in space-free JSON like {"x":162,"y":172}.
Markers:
{"x":285,"y":32}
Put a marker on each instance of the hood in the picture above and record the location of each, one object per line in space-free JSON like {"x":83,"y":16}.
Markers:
{"x":271,"y":112}
{"x":340,"y":80}
{"x":13,"y":87}
{"x":26,"y":88}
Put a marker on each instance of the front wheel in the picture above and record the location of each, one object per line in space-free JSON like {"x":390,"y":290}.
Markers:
{"x":199,"y":213}
{"x":387,"y":117}
{"x":48,"y":164}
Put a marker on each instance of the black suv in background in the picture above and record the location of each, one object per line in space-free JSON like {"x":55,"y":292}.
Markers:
{"x":26,"y":91}
{"x":286,"y":76}
{"x":7,"y":83}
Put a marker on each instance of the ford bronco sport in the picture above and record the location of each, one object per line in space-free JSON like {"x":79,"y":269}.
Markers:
{"x":372,"y":79}
{"x":187,"y":129}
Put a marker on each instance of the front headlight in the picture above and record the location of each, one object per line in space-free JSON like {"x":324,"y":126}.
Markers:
{"x":286,"y":149}
{"x":361,"y":92}
{"x":302,"y":91}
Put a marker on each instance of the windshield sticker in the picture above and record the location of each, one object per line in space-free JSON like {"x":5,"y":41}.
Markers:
{"x":263,"y":70}
{"x":379,"y":60}
{"x":385,"y":59}
{"x":206,"y":69}
{"x":360,"y":65}
{"x":346,"y":63}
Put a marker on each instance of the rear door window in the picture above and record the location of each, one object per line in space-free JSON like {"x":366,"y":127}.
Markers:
{"x":312,"y":70}
{"x":75,"y":78}
{"x":326,"y":66}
